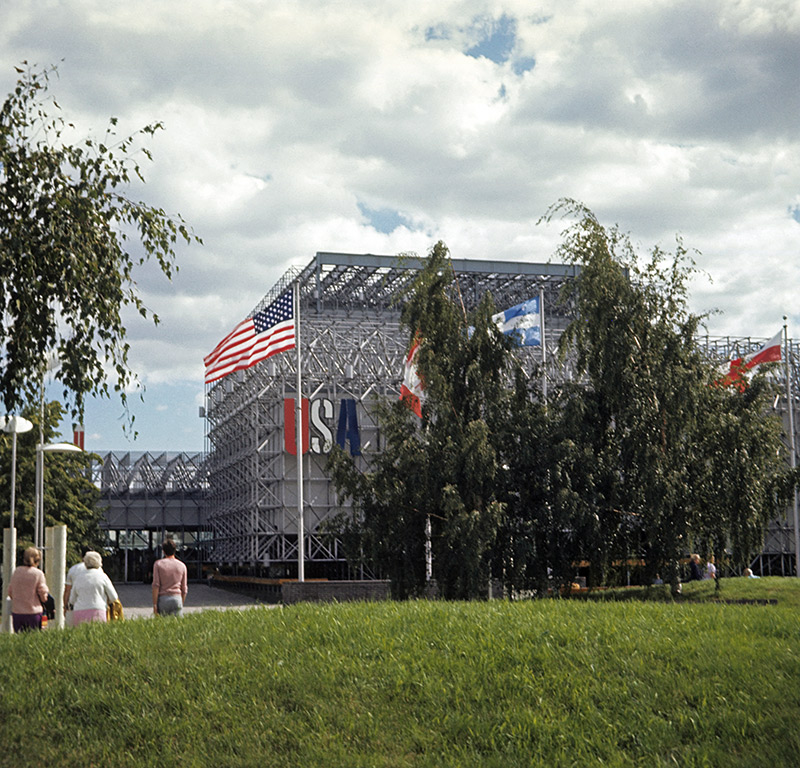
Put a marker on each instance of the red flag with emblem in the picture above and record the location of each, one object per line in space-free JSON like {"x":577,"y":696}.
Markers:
{"x":412,"y":390}
{"x":736,"y":370}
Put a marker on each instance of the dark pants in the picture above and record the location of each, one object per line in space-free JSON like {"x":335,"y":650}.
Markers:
{"x":24,"y":622}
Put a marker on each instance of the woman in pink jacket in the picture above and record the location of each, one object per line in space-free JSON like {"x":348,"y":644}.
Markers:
{"x":27,"y":590}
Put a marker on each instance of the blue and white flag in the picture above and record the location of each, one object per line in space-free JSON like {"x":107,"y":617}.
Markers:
{"x":523,"y":321}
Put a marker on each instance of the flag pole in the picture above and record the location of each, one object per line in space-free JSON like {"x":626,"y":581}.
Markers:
{"x":544,"y":348}
{"x":298,"y":431}
{"x":792,"y":450}
{"x":428,"y":550}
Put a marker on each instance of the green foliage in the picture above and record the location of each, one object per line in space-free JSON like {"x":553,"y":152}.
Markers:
{"x":444,"y":469}
{"x":552,"y":492}
{"x":643,"y":457}
{"x":675,"y":461}
{"x":743,"y":482}
{"x":66,"y":261}
{"x":70,"y":498}
{"x":555,"y":683}
{"x":388,"y":531}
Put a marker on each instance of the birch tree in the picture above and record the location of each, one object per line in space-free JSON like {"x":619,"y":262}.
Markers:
{"x":71,"y":242}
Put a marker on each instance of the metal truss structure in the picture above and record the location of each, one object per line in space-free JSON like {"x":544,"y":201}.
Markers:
{"x":352,"y":350}
{"x":778,"y":557}
{"x":147,"y":497}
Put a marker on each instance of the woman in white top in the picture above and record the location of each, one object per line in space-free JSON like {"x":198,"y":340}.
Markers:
{"x":92,"y":591}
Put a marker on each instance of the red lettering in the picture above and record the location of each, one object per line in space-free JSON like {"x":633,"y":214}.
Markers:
{"x":289,"y":431}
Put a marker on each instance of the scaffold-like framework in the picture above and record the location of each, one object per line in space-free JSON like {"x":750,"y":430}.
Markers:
{"x":147,"y":496}
{"x":779,"y":554}
{"x":144,"y":489}
{"x":352,"y":350}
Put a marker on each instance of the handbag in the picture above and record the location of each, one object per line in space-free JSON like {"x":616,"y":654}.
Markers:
{"x":114,"y":611}
{"x":49,"y":607}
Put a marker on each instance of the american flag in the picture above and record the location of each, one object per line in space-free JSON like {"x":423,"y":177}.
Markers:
{"x":255,"y":339}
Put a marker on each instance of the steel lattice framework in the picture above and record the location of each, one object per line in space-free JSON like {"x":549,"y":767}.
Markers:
{"x":147,"y":496}
{"x":352,"y":349}
{"x":144,"y":490}
{"x":779,"y":553}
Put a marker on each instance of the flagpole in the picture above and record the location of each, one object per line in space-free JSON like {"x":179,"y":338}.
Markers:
{"x":792,"y":450}
{"x":428,"y":550}
{"x":298,"y":430}
{"x":544,"y":348}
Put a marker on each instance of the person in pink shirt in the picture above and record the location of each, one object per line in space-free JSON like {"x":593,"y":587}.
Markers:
{"x":28,"y":590}
{"x":169,"y":583}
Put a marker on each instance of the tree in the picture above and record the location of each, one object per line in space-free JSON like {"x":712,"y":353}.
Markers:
{"x":386,"y":529}
{"x":557,"y":473}
{"x":444,"y":469}
{"x":744,"y":480}
{"x":634,"y":339}
{"x":70,"y":497}
{"x":522,"y":551}
{"x":641,"y":458}
{"x":66,"y":260}
{"x":660,"y":431}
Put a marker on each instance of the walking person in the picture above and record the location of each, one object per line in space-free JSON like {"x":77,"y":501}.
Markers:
{"x":169,"y":582}
{"x":91,"y":592}
{"x":28,"y":590}
{"x":72,"y":574}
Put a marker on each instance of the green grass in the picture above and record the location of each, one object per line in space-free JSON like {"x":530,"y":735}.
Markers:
{"x":551,"y":683}
{"x":783,"y":591}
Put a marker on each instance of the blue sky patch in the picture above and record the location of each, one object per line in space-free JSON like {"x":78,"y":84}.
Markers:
{"x":795,"y":212}
{"x":497,"y":41}
{"x":523,"y":64}
{"x":384,"y":220}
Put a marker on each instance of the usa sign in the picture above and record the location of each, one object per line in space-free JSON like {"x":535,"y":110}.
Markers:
{"x":318,"y":426}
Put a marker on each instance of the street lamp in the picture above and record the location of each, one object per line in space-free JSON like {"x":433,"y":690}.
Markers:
{"x":40,"y":451}
{"x":14,"y":426}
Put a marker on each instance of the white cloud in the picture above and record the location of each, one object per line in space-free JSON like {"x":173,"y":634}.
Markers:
{"x":283,"y":120}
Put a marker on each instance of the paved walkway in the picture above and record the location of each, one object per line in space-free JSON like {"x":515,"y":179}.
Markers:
{"x":137,"y":600}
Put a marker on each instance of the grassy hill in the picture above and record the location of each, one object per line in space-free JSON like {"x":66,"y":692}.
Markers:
{"x":552,"y":683}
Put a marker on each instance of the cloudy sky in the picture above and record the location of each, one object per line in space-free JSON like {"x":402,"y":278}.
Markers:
{"x":380,"y":127}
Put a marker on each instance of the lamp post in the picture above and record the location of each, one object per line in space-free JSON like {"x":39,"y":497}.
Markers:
{"x":39,"y":515}
{"x":14,"y":426}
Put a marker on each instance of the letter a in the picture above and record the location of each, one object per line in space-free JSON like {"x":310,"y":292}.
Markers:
{"x":348,"y":427}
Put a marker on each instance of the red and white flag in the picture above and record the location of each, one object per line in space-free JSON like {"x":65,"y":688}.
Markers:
{"x":412,"y":390}
{"x":735,"y":371}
